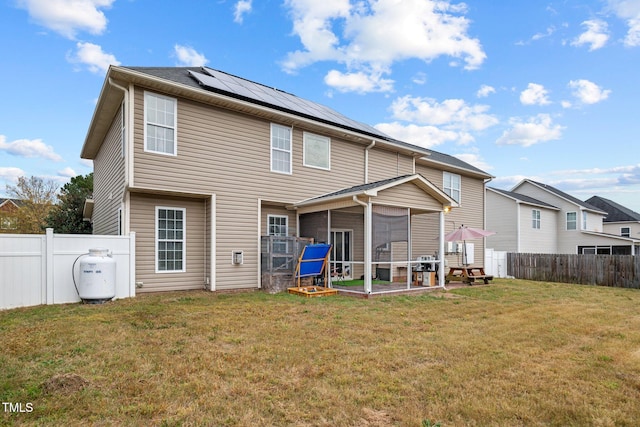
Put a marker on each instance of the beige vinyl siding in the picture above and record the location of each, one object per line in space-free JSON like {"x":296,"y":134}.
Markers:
{"x":502,"y":217}
{"x":407,"y":195}
{"x":143,"y":222}
{"x":385,"y":164}
{"x":469,"y":213}
{"x":108,"y":180}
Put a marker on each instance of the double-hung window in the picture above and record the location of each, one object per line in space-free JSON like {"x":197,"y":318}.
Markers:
{"x":572,"y":221}
{"x":535,"y":219}
{"x":170,"y":239}
{"x":452,"y":185}
{"x":584,"y":220}
{"x":280,"y":149}
{"x":317,"y":151}
{"x":160,"y":124}
{"x":625,"y":231}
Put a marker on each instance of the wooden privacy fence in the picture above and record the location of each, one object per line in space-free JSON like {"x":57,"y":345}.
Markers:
{"x":622,"y":271}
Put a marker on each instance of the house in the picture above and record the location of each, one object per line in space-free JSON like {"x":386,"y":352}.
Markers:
{"x":538,"y":218}
{"x":202,"y":165}
{"x":620,"y":220}
{"x":9,"y":215}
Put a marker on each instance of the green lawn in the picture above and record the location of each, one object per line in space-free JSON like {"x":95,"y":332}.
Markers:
{"x":513,"y":353}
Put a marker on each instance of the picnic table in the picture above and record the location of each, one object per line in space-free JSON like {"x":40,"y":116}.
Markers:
{"x":467,"y":275}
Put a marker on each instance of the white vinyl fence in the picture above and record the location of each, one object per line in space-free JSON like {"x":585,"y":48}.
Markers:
{"x":36,"y":268}
{"x":495,"y":263}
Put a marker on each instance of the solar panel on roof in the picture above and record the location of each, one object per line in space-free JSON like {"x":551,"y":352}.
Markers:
{"x":233,"y":85}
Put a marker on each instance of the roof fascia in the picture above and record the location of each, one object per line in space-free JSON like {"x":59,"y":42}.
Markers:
{"x":523,"y":202}
{"x":450,"y":167}
{"x":611,"y":236}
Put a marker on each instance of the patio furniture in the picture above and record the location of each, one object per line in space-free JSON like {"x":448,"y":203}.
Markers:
{"x":467,"y":275}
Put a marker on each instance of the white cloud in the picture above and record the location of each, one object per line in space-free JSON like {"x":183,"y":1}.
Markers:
{"x":93,"y":57}
{"x":87,"y":162}
{"x":11,"y":174}
{"x":369,"y":36}
{"x":242,"y":7}
{"x":596,"y":35}
{"x":485,"y":90}
{"x":29,"y":148}
{"x":358,"y":82}
{"x":451,"y":113}
{"x":68,"y":17}
{"x":536,"y":129}
{"x":188,"y":56}
{"x":628,"y":10}
{"x":475,"y":160}
{"x":588,"y":92}
{"x":67,"y":173}
{"x":534,"y":94}
{"x":548,"y":33}
{"x":422,"y":136}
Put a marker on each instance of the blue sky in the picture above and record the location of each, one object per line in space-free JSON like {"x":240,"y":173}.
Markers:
{"x":541,"y":90}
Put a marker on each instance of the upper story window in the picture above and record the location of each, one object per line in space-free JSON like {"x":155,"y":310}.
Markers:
{"x":452,"y":185}
{"x":625,"y":231}
{"x":572,"y":221}
{"x":160,"y":114}
{"x":280,"y":149}
{"x":584,"y":220}
{"x":535,"y":219}
{"x":317,"y":151}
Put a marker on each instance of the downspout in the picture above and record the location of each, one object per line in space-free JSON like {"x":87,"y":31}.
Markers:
{"x":125,"y":152}
{"x":366,"y":162}
{"x":367,"y":243}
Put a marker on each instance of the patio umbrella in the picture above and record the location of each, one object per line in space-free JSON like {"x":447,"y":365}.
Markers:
{"x":466,"y":233}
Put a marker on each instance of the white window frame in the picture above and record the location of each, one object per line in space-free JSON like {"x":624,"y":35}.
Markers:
{"x":309,"y":138}
{"x":626,"y":233}
{"x":585,"y":216}
{"x":183,"y":240}
{"x":278,"y":217}
{"x":174,"y":127}
{"x":449,"y":188}
{"x":288,"y":151}
{"x":535,"y":219}
{"x":574,"y":221}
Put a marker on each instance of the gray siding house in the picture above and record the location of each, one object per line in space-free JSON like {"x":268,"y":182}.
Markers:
{"x":537,"y":218}
{"x":202,"y":164}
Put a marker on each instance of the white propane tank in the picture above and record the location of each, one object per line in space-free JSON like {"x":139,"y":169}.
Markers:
{"x":97,"y":277}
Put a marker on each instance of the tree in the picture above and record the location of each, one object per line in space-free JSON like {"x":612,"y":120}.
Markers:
{"x":36,"y":196}
{"x":66,"y":217}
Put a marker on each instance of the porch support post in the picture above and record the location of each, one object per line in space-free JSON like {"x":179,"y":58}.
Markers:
{"x":441,"y":271}
{"x":367,"y":247}
{"x":409,"y":255}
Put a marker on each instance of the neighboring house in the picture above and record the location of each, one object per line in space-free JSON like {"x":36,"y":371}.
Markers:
{"x":518,"y":222}
{"x":9,"y":215}
{"x":201,"y":164}
{"x":538,"y":218}
{"x":620,"y":220}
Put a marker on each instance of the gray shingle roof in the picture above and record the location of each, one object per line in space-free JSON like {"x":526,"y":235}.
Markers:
{"x":360,"y":188}
{"x":523,"y":198}
{"x":205,"y":78}
{"x":615,"y":212}
{"x":566,"y":196}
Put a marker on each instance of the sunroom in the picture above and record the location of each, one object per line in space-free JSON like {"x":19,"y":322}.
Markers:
{"x":386,"y":236}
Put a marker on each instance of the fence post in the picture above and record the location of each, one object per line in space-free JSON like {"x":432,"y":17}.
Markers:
{"x":48,"y":260}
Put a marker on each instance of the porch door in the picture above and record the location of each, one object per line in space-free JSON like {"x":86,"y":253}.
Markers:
{"x":341,"y":254}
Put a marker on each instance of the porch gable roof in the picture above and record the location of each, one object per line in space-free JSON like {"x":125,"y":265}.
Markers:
{"x":373,"y":188}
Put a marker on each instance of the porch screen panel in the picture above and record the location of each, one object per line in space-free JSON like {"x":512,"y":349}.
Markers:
{"x":390,"y":241}
{"x":314,"y":225}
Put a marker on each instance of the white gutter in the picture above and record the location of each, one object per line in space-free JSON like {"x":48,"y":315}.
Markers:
{"x":127,"y":154}
{"x":366,"y":161}
{"x":367,"y":243}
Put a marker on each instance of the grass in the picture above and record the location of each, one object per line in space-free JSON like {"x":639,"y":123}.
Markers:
{"x":359,"y":282}
{"x":512,"y":353}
